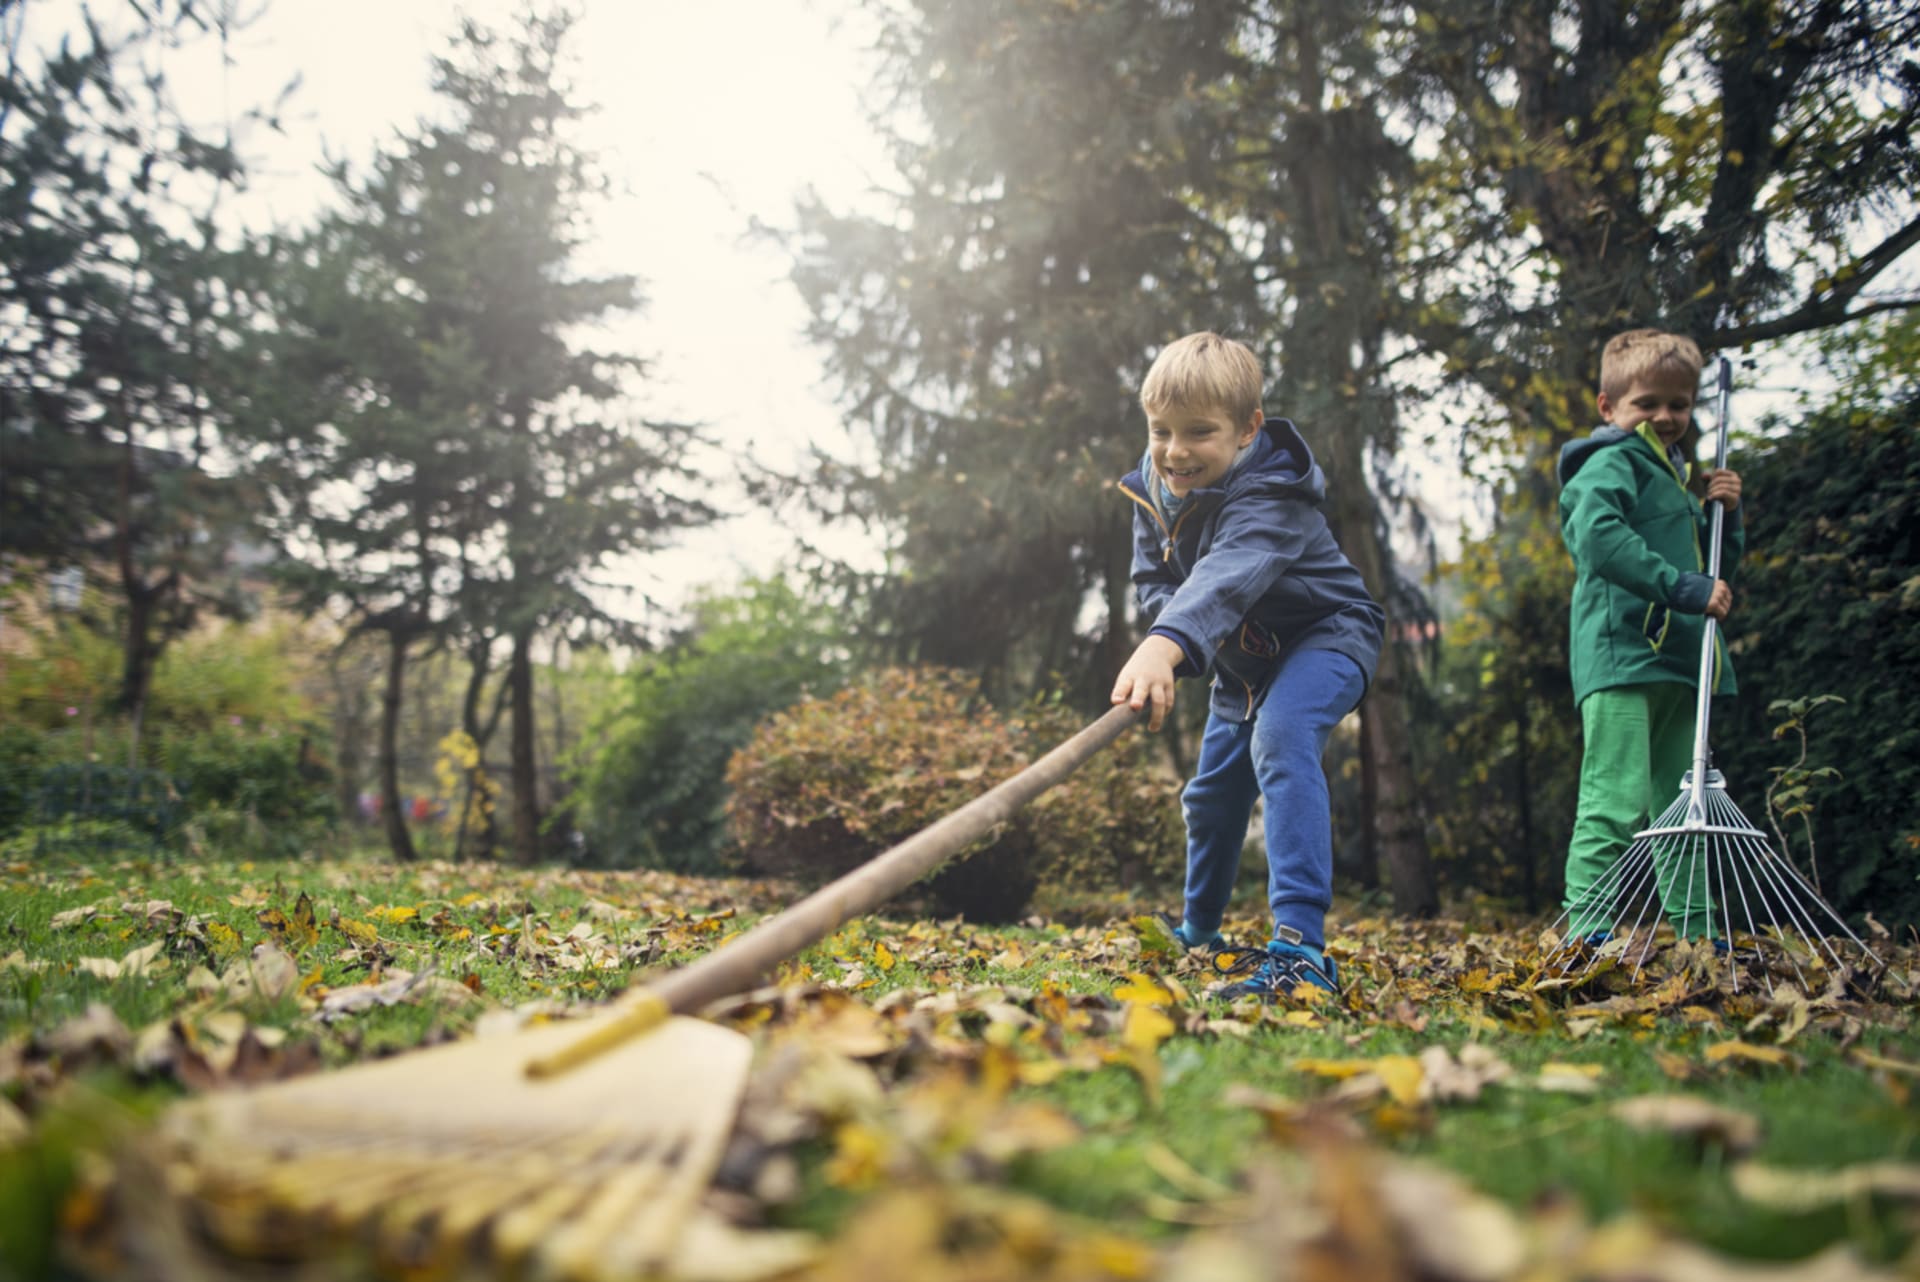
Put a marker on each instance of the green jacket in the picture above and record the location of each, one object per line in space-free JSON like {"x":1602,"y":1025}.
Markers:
{"x":1640,"y":589}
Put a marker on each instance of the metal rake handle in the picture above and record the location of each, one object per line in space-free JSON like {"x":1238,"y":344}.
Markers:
{"x":1696,"y":806}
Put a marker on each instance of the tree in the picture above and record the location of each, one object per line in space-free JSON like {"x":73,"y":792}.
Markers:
{"x":459,"y":466}
{"x":990,"y":331}
{"x":116,"y":311}
{"x":1736,"y":170}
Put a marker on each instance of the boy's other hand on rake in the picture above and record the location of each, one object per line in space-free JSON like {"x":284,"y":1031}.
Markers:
{"x":1720,"y":604}
{"x":1723,"y":484}
{"x":1147,"y":678}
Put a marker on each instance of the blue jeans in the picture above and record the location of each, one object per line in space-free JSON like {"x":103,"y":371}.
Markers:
{"x":1276,"y":756}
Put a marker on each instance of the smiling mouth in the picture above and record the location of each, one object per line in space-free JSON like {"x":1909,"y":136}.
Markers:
{"x":1187,"y":475}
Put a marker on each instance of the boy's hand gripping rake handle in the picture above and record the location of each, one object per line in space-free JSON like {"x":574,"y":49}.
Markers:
{"x":1696,"y":804}
{"x":739,"y":964}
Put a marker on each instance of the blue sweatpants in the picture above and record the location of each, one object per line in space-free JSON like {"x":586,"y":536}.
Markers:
{"x":1276,"y":756}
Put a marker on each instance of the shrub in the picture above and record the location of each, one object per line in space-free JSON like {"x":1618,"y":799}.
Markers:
{"x":1116,"y":823}
{"x":653,"y":791}
{"x":830,"y":783}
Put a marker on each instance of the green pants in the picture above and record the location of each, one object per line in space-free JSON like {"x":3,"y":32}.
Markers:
{"x":1639,"y":742}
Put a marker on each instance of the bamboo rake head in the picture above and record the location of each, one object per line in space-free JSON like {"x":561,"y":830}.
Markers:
{"x":451,"y":1158}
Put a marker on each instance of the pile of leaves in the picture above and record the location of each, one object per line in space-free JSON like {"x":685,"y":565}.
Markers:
{"x":937,"y":1100}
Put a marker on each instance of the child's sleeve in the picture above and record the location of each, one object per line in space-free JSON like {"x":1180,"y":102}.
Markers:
{"x":1253,"y":545}
{"x":1594,"y":507}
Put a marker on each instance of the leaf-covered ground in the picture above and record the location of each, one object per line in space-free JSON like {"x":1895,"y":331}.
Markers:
{"x":934,"y":1100}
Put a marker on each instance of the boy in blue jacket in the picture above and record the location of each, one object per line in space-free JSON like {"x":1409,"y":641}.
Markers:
{"x":1238,"y":576}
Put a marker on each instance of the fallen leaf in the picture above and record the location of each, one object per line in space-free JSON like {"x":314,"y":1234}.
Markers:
{"x":1690,"y":1117}
{"x":1804,"y":1190}
{"x":1772,"y":1056}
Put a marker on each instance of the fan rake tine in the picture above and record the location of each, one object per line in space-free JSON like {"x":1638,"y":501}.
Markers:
{"x":1646,"y":891}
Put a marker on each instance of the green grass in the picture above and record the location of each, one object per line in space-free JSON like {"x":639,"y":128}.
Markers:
{"x":502,"y":930}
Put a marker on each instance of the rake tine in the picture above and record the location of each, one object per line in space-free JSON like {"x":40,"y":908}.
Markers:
{"x":1797,"y":916}
{"x":1606,"y":890}
{"x":1726,"y":919}
{"x":1810,"y":895}
{"x":1647,"y":899}
{"x":1755,"y":862}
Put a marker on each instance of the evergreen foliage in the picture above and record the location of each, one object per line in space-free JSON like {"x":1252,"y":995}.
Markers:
{"x":446,"y":460}
{"x":1828,"y":603}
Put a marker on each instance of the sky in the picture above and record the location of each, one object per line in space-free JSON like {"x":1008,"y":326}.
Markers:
{"x":708,"y":115}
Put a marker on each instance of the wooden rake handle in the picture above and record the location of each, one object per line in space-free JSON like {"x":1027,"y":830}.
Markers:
{"x":740,"y":964}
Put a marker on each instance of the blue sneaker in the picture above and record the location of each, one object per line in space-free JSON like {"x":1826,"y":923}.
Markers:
{"x":1277,"y":970}
{"x":1738,"y":954}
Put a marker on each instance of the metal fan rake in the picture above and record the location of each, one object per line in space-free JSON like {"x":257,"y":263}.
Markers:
{"x":1704,"y":854}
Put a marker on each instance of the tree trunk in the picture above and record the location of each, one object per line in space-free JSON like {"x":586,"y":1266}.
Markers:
{"x":1399,"y":832}
{"x":393,"y":814}
{"x":525,"y":769}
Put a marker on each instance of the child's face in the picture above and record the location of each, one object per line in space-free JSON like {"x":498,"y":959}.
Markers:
{"x":1192,"y":449}
{"x":1662,"y":399}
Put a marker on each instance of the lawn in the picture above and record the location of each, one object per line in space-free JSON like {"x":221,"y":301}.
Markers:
{"x":938,"y":1100}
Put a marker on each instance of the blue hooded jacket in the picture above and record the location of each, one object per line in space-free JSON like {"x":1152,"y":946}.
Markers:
{"x":1248,"y":572}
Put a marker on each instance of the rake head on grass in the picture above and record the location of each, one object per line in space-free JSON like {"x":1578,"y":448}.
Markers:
{"x":453,"y":1157}
{"x":1707,"y":866}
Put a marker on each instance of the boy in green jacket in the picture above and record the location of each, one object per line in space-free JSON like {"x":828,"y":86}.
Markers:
{"x":1640,"y":602}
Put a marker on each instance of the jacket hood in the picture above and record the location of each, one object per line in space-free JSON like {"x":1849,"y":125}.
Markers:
{"x":1278,"y":461}
{"x":1574,"y":454}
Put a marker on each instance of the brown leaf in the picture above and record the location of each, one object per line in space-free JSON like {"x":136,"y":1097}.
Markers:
{"x":1690,"y":1117}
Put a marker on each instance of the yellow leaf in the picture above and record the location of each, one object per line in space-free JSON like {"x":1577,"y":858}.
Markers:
{"x":1338,"y":1069}
{"x":387,"y":912}
{"x":1773,"y":1056}
{"x":882,"y":956}
{"x":1147,"y":1026}
{"x":224,"y":939}
{"x":302,"y":930}
{"x":859,"y":1157}
{"x":1142,"y":990}
{"x":1402,"y":1076}
{"x":1868,"y":1059}
{"x":360,"y":932}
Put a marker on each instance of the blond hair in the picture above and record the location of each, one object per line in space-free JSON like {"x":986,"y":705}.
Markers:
{"x":1201,"y":372}
{"x":1638,"y":353}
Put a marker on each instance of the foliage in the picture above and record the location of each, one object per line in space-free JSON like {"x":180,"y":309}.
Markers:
{"x":229,"y":723}
{"x":468,"y":796}
{"x":1828,"y":601}
{"x":1116,"y":822}
{"x":1500,"y":733}
{"x":1736,"y":170}
{"x":652,"y":766}
{"x":117,"y":296}
{"x":1795,"y":786}
{"x":829,"y":783}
